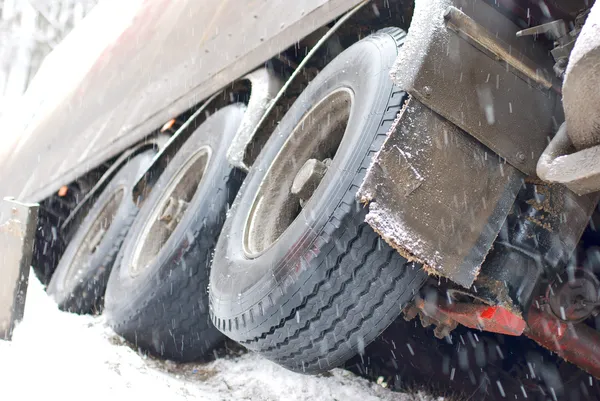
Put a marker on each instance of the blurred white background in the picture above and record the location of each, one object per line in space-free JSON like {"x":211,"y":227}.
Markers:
{"x":29,"y":30}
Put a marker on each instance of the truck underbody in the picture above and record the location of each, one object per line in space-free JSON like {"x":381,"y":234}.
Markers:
{"x":485,"y":177}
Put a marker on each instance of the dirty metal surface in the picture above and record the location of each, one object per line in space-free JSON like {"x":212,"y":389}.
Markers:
{"x":554,"y":220}
{"x":482,"y":39}
{"x":537,"y":240}
{"x":531,"y":12}
{"x":265,"y":86}
{"x":17,"y":230}
{"x":464,"y":81}
{"x":158,"y":59}
{"x":438,"y":195}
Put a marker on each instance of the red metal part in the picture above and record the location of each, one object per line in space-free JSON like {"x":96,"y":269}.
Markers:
{"x":494,"y":319}
{"x":576,"y":343}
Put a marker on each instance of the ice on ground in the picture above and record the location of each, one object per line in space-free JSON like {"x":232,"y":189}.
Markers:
{"x":62,"y":356}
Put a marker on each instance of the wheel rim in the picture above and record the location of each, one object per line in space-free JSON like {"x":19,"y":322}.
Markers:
{"x":169,"y":210}
{"x":314,"y":140}
{"x":93,"y":238}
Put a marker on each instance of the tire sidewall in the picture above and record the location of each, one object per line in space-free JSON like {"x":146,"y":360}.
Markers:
{"x":127,"y":294}
{"x":239,"y":283}
{"x":61,"y":288}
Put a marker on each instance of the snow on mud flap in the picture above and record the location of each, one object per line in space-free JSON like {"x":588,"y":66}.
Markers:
{"x":297,"y":275}
{"x":157,"y":296}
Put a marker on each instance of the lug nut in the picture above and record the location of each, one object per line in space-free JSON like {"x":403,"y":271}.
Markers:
{"x":173,"y":212}
{"x":308,"y":179}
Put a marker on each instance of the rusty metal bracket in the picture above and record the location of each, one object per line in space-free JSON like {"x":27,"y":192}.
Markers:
{"x":470,"y":67}
{"x":18,"y":222}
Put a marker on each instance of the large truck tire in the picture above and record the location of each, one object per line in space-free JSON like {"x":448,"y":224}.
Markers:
{"x":79,"y":282}
{"x":157,"y":294}
{"x":301,"y":278}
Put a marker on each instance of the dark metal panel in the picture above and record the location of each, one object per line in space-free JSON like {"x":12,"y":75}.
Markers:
{"x":172,"y":55}
{"x":538,"y":239}
{"x":464,"y":82}
{"x":533,"y":12}
{"x":438,"y":195}
{"x":18,"y":222}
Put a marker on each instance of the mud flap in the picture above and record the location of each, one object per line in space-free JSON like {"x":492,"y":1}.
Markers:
{"x":18,"y":223}
{"x":437,"y":195}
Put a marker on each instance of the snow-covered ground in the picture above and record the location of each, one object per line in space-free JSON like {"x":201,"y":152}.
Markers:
{"x":61,"y":356}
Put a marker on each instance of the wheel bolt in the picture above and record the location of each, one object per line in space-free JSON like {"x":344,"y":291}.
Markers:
{"x":173,"y":212}
{"x":308,"y":179}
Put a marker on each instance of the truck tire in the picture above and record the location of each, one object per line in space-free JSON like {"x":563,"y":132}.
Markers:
{"x":157,"y":296}
{"x":309,"y":288}
{"x":79,"y":282}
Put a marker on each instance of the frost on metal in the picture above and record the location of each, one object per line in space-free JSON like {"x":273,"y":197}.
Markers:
{"x":265,"y":87}
{"x":17,"y":229}
{"x":443,"y":65}
{"x":436,"y":195}
{"x":426,"y":27}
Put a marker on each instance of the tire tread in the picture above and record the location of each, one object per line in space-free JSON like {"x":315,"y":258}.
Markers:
{"x":346,"y":303}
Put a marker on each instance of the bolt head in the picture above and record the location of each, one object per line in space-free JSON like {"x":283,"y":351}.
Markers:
{"x":308,"y":178}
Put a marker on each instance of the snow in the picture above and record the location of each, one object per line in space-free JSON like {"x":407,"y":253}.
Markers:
{"x":57,"y":355}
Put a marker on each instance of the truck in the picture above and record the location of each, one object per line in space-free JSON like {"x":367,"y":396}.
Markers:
{"x":296,"y":176}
